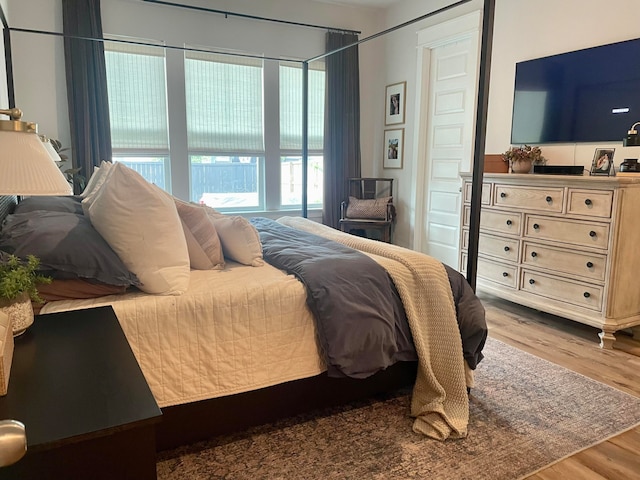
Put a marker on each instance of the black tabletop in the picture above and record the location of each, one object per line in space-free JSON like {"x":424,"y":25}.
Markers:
{"x":74,"y":377}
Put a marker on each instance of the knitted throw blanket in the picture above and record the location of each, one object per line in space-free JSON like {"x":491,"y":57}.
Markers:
{"x":439,"y":401}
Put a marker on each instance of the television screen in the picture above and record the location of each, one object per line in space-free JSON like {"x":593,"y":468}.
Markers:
{"x":590,"y":95}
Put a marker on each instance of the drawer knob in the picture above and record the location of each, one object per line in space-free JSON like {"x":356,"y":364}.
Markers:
{"x":592,"y":233}
{"x":548,"y":199}
{"x":589,"y":264}
{"x":534,"y":254}
{"x":531,"y":281}
{"x":588,"y":201}
{"x":536,"y":226}
{"x":586,"y":294}
{"x":506,"y":249}
{"x":503,"y":195}
{"x":509,"y":222}
{"x":505,"y":274}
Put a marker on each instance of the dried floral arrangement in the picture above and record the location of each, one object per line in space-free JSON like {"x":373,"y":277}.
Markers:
{"x":526,"y":152}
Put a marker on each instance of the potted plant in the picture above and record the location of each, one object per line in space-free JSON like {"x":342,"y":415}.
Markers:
{"x":72,"y":175}
{"x":520,"y":159}
{"x":19,"y":282}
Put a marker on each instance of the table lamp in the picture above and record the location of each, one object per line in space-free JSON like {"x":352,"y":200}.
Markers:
{"x":26,"y":166}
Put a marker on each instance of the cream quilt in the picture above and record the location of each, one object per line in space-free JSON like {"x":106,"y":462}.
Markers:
{"x":235,"y":330}
{"x":439,"y":403}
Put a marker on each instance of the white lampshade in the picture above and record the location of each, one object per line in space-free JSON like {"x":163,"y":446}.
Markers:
{"x":50,"y":149}
{"x":26,"y":167}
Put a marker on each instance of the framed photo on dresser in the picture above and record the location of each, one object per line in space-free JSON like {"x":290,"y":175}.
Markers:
{"x":602,"y":163}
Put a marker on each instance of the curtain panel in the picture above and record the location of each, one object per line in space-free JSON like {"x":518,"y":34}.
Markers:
{"x":342,"y":124}
{"x":86,"y":85}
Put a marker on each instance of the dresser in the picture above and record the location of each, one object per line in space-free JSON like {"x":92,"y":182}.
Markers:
{"x":566,"y":245}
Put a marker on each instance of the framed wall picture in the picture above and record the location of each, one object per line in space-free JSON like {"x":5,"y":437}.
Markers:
{"x":395,"y":101}
{"x":393,"y":150}
{"x":602,"y":163}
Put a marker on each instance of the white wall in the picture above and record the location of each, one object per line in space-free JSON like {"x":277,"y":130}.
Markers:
{"x":38,"y":67}
{"x":523,"y":29}
{"x":551,"y":27}
{"x":4,"y":97}
{"x":400,"y":52}
{"x":39,"y":59}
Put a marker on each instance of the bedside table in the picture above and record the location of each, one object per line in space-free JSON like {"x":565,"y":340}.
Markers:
{"x":86,"y":406}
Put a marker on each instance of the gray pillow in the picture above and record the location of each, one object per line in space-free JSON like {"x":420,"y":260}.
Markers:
{"x":67,"y":245}
{"x":70,"y":204}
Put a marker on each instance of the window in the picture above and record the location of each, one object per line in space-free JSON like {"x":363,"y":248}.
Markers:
{"x":225,"y":131}
{"x":136,"y":85}
{"x":291,"y":133}
{"x":239,"y":146}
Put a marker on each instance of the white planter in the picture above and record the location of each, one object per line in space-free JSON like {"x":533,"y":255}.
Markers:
{"x":20,"y":313}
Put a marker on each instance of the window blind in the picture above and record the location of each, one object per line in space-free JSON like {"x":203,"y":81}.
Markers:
{"x":136,"y":85}
{"x":291,"y":106}
{"x":224,"y":103}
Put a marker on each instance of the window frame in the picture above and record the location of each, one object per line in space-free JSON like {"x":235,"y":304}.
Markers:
{"x":178,"y":164}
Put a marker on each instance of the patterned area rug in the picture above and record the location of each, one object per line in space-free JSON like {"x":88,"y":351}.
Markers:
{"x":526,"y":413}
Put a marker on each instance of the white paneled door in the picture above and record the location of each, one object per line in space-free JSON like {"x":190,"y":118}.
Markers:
{"x":449,"y":84}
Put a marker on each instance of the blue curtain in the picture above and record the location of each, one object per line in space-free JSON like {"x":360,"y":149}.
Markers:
{"x":342,"y":124}
{"x":86,"y":86}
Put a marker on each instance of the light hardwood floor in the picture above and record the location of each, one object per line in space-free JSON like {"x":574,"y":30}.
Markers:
{"x":575,"y":346}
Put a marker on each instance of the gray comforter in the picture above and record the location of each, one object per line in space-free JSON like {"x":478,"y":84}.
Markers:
{"x":361,"y":323}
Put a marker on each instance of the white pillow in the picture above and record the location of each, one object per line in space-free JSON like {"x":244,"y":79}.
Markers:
{"x":141,"y":224}
{"x":240,"y":240}
{"x":97,"y":179}
{"x":91,"y":183}
{"x":203,"y":243}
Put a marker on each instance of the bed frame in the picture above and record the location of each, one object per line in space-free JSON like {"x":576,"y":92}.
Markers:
{"x":190,"y":422}
{"x":182,"y":424}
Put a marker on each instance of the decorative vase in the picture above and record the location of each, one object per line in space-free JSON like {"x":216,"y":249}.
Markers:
{"x":521,"y":166}
{"x":20,"y":312}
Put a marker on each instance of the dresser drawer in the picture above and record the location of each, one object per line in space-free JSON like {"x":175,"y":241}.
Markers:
{"x":496,"y":221}
{"x":589,"y":265}
{"x":497,"y":272}
{"x":569,"y":291}
{"x":502,"y":247}
{"x":589,"y":234}
{"x":463,"y":263}
{"x":529,"y":198}
{"x":486,"y":193}
{"x":503,"y":222}
{"x":590,"y":203}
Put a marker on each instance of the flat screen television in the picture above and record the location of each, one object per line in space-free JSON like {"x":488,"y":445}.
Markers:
{"x":590,"y":95}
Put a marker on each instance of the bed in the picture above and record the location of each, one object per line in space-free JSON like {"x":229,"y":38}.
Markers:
{"x":238,"y":344}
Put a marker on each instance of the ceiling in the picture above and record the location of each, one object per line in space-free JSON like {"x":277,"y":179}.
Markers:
{"x":363,"y":3}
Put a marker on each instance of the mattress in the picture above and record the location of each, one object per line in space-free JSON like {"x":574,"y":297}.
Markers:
{"x":234,"y":330}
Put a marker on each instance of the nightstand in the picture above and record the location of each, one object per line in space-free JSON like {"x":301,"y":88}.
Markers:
{"x":85,"y":403}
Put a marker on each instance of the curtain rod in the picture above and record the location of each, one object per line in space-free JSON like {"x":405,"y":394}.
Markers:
{"x":147,"y":44}
{"x":389,"y":30}
{"x":252,"y":17}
